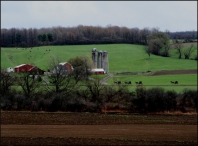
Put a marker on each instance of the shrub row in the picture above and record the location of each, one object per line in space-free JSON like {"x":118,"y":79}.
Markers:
{"x":141,"y":101}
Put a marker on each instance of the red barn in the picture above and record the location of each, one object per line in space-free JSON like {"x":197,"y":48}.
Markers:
{"x":22,"y":68}
{"x":36,"y":71}
{"x":63,"y":68}
{"x":68,"y":66}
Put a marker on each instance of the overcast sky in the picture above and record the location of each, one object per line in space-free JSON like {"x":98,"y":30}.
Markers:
{"x":166,"y":15}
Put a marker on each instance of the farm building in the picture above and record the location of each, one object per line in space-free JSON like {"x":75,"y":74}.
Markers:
{"x":63,"y":68}
{"x":22,"y":68}
{"x":98,"y":71}
{"x":9,"y":69}
{"x":36,"y":71}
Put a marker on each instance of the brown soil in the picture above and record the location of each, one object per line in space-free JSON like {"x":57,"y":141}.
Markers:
{"x":66,"y":118}
{"x":41,"y":128}
{"x":188,"y":44}
{"x":125,"y":132}
{"x":45,"y":141}
{"x":169,"y":72}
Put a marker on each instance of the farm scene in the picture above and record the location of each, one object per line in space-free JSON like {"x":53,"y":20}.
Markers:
{"x":101,"y":93}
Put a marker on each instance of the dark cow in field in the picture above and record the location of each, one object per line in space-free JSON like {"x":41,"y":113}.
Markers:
{"x":117,"y":82}
{"x":172,"y":82}
{"x":129,"y":82}
{"x":140,"y":82}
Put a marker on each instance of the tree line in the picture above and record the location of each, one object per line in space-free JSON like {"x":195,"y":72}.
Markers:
{"x":187,"y":36}
{"x":31,"y":37}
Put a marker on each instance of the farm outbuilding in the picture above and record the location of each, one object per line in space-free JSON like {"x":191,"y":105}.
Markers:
{"x":63,"y":68}
{"x":9,"y":69}
{"x":98,"y":71}
{"x":36,"y":71}
{"x":22,"y":68}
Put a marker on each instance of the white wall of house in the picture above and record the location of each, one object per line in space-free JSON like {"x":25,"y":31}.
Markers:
{"x":9,"y":69}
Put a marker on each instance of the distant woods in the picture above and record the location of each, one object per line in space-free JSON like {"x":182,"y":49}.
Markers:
{"x":31,"y":37}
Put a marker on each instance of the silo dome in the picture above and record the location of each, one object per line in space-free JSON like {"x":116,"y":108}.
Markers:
{"x":105,"y":51}
{"x":94,"y":49}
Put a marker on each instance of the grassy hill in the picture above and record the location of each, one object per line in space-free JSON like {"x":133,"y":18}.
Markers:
{"x":122,"y":57}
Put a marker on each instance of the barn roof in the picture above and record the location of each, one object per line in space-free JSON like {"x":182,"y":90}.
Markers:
{"x":19,"y":65}
{"x":63,"y":63}
{"x":32,"y":68}
{"x":35,"y":67}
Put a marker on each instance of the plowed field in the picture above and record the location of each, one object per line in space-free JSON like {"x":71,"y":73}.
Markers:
{"x":42,"y":128}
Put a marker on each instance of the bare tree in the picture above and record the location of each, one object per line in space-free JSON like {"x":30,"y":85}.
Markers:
{"x":189,"y":51}
{"x":144,"y":34}
{"x":95,"y":88}
{"x":28,"y":83}
{"x":93,"y":92}
{"x":167,"y":48}
{"x":6,"y":82}
{"x":60,"y":79}
{"x":82,"y":67}
{"x":178,"y":47}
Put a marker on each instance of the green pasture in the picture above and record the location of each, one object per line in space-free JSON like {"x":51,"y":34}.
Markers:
{"x":185,"y":81}
{"x":122,"y":57}
{"x":177,"y":88}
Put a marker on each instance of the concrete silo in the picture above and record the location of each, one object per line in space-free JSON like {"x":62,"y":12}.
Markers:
{"x":95,"y":57}
{"x":105,"y":61}
{"x":99,"y":59}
